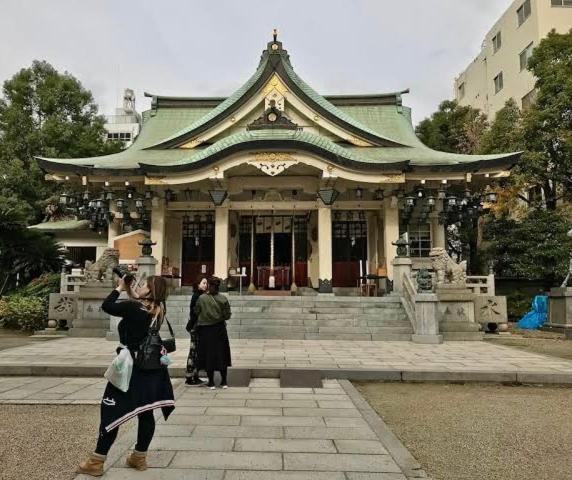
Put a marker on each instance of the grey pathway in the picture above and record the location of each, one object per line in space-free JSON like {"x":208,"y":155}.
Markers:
{"x":264,"y":432}
{"x":406,"y":360}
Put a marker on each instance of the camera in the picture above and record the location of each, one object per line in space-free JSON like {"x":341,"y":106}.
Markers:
{"x":126,"y":276}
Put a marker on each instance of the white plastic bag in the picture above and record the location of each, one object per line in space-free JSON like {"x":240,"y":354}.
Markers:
{"x":119,"y":372}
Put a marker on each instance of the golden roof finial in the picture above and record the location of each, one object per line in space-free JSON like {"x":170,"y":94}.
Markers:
{"x":275,"y":34}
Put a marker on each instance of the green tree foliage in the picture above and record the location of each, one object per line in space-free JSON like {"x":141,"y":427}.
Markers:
{"x":44,"y":113}
{"x":505,"y":133}
{"x":453,"y":128}
{"x":24,"y":254}
{"x":534,"y":247}
{"x":547,"y":125}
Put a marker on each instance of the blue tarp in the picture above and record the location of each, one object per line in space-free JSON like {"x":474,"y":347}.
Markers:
{"x":537,"y":316}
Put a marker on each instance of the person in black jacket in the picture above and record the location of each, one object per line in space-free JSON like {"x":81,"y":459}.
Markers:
{"x":148,"y":389}
{"x":193,"y":379}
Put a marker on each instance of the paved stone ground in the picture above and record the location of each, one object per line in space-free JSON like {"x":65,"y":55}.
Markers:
{"x":479,"y":361}
{"x":265,"y":432}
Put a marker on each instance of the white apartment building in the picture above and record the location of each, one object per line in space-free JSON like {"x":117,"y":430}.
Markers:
{"x":499,"y":72}
{"x":126,"y":122}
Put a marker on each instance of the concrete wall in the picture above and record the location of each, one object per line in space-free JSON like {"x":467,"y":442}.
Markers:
{"x":478,"y":77}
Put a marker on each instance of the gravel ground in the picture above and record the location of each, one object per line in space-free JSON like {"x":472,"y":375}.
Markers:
{"x":470,"y":432}
{"x":536,"y":341}
{"x":45,"y":442}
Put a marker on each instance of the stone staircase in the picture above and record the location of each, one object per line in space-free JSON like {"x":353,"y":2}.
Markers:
{"x":307,"y":317}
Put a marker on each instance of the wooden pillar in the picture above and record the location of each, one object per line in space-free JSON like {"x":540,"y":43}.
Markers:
{"x":437,"y":231}
{"x":113,"y":229}
{"x":158,"y":220}
{"x":325,"y":249}
{"x":221,"y":245}
{"x":390,"y":233}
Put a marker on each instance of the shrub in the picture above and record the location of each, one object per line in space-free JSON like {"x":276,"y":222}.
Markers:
{"x":25,"y":313}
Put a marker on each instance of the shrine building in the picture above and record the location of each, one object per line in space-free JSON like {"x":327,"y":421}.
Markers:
{"x":293,"y":188}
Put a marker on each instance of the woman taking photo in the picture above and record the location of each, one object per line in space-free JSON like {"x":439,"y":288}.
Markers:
{"x":148,"y":389}
{"x":213,"y":310}
{"x":192,"y":371}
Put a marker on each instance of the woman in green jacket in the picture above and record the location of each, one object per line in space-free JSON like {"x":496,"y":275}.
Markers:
{"x":213,"y":310}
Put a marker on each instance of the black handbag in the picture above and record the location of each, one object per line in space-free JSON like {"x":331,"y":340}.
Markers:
{"x":148,"y":355}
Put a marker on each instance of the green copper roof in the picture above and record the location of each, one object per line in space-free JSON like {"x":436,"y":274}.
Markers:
{"x":328,"y":106}
{"x":61,"y":225}
{"x":171,"y":123}
{"x":222,"y":107}
{"x":275,"y":135}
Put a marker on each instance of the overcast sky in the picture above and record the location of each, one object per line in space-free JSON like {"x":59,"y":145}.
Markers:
{"x":210,"y":47}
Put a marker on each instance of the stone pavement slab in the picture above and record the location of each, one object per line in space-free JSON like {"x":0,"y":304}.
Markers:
{"x":356,"y":360}
{"x":256,"y":445}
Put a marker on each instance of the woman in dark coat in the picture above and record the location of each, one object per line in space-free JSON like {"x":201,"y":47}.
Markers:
{"x":213,"y":310}
{"x":148,"y":389}
{"x":192,"y":371}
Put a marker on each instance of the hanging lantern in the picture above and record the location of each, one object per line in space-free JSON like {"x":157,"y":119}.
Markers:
{"x":130,"y":193}
{"x":86,"y":196}
{"x":452,"y":201}
{"x":410,"y":201}
{"x":491,"y":196}
{"x":441,"y":194}
{"x":218,"y":196}
{"x":359,"y":193}
{"x":379,"y":194}
{"x":431,"y":201}
{"x":139,"y":203}
{"x":120,"y":203}
{"x":420,"y":193}
{"x":109,"y":195}
{"x":328,"y":195}
{"x":91,"y":204}
{"x":64,"y":199}
{"x":148,"y":195}
{"x":100,"y":203}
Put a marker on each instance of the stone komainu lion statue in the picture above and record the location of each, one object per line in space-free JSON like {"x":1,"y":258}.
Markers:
{"x":446,"y":270}
{"x":100,"y":270}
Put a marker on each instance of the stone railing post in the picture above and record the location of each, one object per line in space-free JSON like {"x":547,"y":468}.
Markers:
{"x":426,"y":319}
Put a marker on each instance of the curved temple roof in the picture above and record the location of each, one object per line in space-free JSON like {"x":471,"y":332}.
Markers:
{"x":379,"y":119}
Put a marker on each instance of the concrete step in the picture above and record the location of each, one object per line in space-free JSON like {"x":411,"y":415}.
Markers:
{"x":88,"y":332}
{"x":463,"y":336}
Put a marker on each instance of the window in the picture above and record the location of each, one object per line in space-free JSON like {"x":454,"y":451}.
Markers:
{"x":499,"y":82}
{"x":523,"y":12}
{"x":78,"y":255}
{"x":525,"y":56}
{"x":122,"y":136}
{"x":562,"y":3}
{"x":461,"y":90}
{"x":528,"y":99}
{"x":419,"y":236}
{"x":497,"y":42}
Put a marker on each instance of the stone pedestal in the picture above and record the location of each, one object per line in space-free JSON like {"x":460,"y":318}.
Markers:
{"x":457,"y":313}
{"x":401,"y":266}
{"x":90,"y":319}
{"x":560,"y":308}
{"x":146,"y":266}
{"x":491,"y":312}
{"x":426,"y":318}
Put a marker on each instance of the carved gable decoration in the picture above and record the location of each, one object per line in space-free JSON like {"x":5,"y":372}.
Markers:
{"x":273,"y":163}
{"x":272,"y":117}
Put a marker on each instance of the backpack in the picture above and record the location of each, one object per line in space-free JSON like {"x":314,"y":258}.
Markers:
{"x":153,"y":347}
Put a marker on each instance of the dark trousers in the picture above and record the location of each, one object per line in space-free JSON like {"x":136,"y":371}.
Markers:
{"x":145,"y":431}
